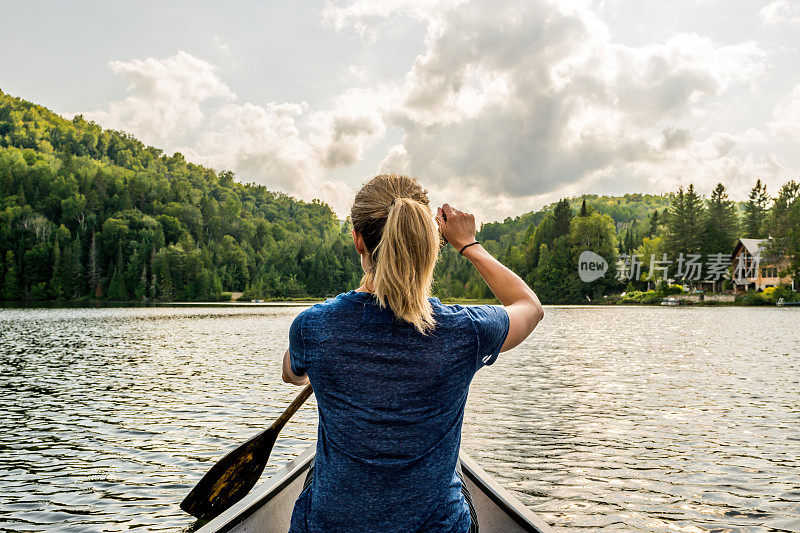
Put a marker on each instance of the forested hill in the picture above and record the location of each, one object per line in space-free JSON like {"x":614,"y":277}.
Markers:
{"x":88,"y":212}
{"x":625,"y":211}
{"x":93,"y":213}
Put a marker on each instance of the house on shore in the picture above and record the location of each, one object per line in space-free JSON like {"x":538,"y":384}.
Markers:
{"x":754,"y":269}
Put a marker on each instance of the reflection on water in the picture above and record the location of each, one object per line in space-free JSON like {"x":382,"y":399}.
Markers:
{"x":606,"y":418}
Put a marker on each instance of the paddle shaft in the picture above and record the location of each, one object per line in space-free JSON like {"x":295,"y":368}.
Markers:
{"x":235,"y":474}
{"x":293,"y":407}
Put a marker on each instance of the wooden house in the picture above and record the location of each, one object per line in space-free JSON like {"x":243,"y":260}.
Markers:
{"x":754,"y":269}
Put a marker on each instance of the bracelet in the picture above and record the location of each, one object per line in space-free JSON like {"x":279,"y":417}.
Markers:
{"x":467,"y":246}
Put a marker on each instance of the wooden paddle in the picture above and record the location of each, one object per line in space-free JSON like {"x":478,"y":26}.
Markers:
{"x":234,"y":475}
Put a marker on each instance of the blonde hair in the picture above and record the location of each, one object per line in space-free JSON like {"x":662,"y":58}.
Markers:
{"x":392,"y":214}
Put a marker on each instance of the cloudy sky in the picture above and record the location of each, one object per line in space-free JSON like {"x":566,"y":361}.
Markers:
{"x":497,"y":106}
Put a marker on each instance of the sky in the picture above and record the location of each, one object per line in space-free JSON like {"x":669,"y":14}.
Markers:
{"x":497,"y":106}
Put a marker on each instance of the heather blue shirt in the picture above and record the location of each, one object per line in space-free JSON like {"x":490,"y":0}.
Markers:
{"x":391,"y":403}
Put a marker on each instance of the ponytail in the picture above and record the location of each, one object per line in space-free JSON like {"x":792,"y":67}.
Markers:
{"x":393,"y":216}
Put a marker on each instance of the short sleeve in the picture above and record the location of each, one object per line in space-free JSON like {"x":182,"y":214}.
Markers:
{"x":297,"y":349}
{"x":491,"y":328}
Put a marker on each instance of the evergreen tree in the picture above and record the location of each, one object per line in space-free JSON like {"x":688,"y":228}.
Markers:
{"x":75,"y":282}
{"x":684,"y":223}
{"x":94,"y":269}
{"x":755,"y":212}
{"x":166,"y":289}
{"x":216,"y":287}
{"x":133,"y":272}
{"x":778,"y":220}
{"x":627,"y":242}
{"x":631,"y":239}
{"x":11,"y":286}
{"x":542,"y":235}
{"x":153,"y":277}
{"x":676,"y":224}
{"x":788,"y":245}
{"x":654,"y":222}
{"x":784,"y":226}
{"x":555,"y":280}
{"x":141,"y":288}
{"x":583,"y":212}
{"x":116,"y":288}
{"x":562,"y":218}
{"x":694,"y":218}
{"x":21,"y":200}
{"x":721,"y":225}
{"x":57,"y":280}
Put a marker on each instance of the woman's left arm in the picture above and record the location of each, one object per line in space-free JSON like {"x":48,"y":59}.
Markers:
{"x":289,"y":376}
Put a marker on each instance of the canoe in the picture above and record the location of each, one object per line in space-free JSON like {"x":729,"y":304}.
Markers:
{"x":268,"y":508}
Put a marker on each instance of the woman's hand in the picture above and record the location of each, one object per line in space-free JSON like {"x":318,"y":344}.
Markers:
{"x":520,"y":302}
{"x":456,"y":226}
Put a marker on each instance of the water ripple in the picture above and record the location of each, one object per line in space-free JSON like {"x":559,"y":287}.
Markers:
{"x":605,"y":419}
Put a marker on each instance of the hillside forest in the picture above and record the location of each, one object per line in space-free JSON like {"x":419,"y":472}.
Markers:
{"x":88,"y":213}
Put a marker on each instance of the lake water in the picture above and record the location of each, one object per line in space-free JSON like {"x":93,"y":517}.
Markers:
{"x":617,"y":418}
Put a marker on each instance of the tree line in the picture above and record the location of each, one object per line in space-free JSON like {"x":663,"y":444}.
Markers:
{"x":93,"y":213}
{"x":661,"y":232}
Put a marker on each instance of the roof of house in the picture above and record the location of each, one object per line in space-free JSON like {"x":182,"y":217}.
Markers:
{"x":752,"y":245}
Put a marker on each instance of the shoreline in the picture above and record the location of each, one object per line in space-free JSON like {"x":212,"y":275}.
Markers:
{"x":292,"y":302}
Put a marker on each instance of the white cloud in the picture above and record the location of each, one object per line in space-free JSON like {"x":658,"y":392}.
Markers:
{"x":344,"y":133}
{"x":511,"y":103}
{"x":780,"y":12}
{"x":166,"y":97}
{"x":367,"y":16}
{"x":786,"y":121}
{"x":221,"y":45}
{"x":180,"y":103}
{"x":524,"y":99}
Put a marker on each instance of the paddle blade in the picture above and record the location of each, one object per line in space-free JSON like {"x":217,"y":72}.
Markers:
{"x":231,"y":478}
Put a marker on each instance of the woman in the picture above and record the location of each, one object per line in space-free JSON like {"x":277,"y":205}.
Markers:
{"x":391,"y":368}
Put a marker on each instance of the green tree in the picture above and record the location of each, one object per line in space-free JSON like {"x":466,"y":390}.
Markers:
{"x":140,"y":292}
{"x":779,"y":225}
{"x":595,"y":233}
{"x":654,"y":224}
{"x":57,"y":280}
{"x":721,"y":224}
{"x":11,"y":286}
{"x":684,"y":223}
{"x":116,"y":288}
{"x":790,"y":241}
{"x":755,"y":212}
{"x":650,"y":250}
{"x":94,"y":272}
{"x":562,"y":218}
{"x":73,"y":282}
{"x":153,"y":289}
{"x":784,"y":226}
{"x":555,"y":279}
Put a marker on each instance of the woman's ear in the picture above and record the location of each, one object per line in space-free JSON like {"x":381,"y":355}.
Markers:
{"x":358,"y":240}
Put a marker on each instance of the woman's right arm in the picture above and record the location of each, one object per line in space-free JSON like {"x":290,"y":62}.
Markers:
{"x":520,"y":302}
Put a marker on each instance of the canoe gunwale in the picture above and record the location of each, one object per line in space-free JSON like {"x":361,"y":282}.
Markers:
{"x":501,"y":497}
{"x":251,"y":503}
{"x":277,"y":482}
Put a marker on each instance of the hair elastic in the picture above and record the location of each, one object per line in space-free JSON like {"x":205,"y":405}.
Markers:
{"x":467,"y":246}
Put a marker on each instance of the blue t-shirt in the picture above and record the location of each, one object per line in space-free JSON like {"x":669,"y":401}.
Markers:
{"x":391,"y":403}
